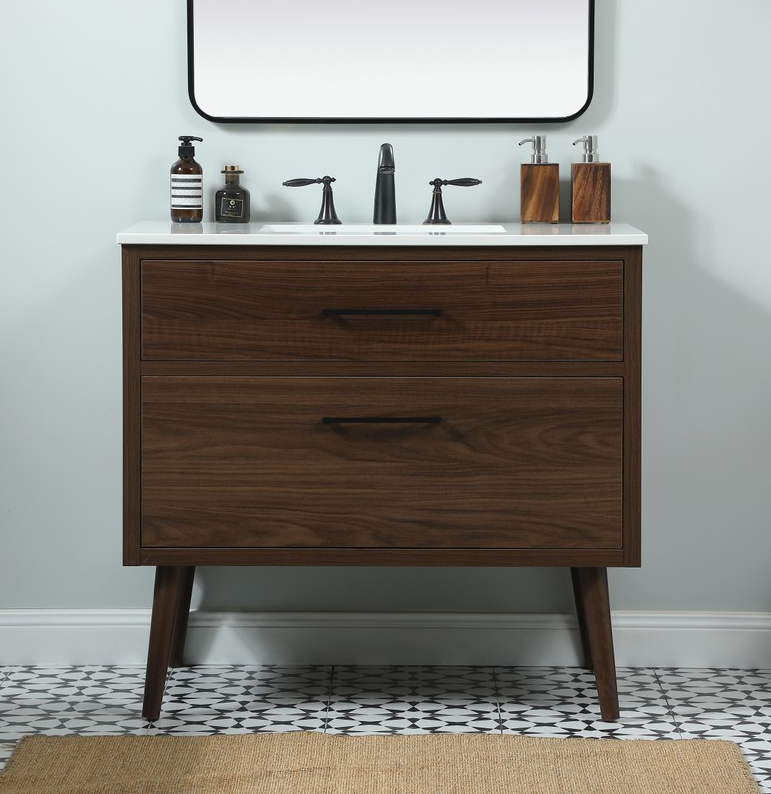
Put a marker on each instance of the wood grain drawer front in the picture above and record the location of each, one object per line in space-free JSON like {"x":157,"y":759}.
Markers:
{"x":311,"y":462}
{"x":364,"y":311}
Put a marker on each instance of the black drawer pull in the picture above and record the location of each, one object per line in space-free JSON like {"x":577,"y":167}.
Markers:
{"x":381,"y":420}
{"x":381,"y":312}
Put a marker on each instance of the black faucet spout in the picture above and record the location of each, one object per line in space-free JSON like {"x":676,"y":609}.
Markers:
{"x":385,"y":191}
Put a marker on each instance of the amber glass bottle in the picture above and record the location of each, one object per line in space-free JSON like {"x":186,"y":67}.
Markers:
{"x":187,"y":184}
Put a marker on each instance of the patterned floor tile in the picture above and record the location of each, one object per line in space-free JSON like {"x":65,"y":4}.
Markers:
{"x":394,"y":699}
{"x":545,"y":701}
{"x":273,"y":683}
{"x":719,"y":703}
{"x":27,"y":717}
{"x":73,"y":683}
{"x":208,"y":685}
{"x":61,"y":701}
{"x":243,"y":699}
{"x":559,"y":701}
{"x":70,"y":700}
{"x":296,"y":686}
{"x":739,"y":693}
{"x":202,"y":722}
{"x":710,"y":703}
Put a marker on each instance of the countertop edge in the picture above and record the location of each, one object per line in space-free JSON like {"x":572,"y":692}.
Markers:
{"x":166,"y":233}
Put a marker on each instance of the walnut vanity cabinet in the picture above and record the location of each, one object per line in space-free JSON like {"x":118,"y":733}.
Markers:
{"x":381,"y":405}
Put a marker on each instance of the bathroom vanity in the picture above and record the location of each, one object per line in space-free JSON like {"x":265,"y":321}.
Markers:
{"x":355,"y":395}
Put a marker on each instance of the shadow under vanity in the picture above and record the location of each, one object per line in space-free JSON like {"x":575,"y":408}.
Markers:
{"x":417,"y":398}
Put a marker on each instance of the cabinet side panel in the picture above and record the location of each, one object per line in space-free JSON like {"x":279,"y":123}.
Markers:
{"x":131,"y":402}
{"x":632,"y":405}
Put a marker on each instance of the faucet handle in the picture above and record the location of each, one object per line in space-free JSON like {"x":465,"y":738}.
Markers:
{"x":327,"y":214}
{"x":465,"y":182}
{"x":436,"y":214}
{"x":301,"y":182}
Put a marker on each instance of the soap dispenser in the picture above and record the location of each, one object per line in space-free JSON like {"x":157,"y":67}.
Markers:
{"x":590,"y":185}
{"x":187,"y":184}
{"x":539,"y":185}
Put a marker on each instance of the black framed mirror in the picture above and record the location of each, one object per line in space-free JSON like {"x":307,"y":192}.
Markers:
{"x":407,"y":61}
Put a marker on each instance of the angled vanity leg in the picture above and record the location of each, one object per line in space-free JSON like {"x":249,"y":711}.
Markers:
{"x":169,"y":587}
{"x":181,"y":620}
{"x":592,"y":601}
{"x":581,"y":616}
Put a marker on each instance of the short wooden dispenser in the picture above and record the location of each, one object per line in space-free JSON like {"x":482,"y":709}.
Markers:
{"x":539,"y":185}
{"x":590,"y":185}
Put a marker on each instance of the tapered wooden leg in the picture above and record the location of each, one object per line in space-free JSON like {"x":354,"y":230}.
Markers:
{"x":169,"y":587}
{"x":581,"y":615}
{"x":593,"y":596}
{"x":180,"y":622}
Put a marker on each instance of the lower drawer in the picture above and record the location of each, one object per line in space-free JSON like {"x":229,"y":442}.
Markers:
{"x":511,"y":463}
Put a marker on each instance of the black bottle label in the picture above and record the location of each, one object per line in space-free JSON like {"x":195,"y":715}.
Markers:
{"x":231,"y":208}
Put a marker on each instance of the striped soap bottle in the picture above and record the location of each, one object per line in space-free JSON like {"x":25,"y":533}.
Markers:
{"x":187,"y":184}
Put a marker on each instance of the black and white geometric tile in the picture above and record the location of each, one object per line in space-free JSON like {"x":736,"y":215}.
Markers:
{"x":244,"y":699}
{"x":725,"y":704}
{"x":382,"y":700}
{"x":63,"y":701}
{"x":553,"y":701}
{"x":658,"y":703}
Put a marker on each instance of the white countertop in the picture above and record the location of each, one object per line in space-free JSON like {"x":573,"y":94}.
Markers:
{"x":477,"y":234}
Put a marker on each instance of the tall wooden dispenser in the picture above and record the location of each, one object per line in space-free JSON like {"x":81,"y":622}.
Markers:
{"x":539,"y":185}
{"x":590,"y":185}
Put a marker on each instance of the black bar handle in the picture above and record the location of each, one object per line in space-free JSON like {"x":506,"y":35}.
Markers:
{"x":381,"y":312}
{"x":464,"y":182}
{"x":467,"y":182}
{"x":301,"y":182}
{"x":381,"y":420}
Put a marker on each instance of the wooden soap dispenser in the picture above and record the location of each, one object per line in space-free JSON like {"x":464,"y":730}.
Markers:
{"x":590,"y":185}
{"x":539,"y":185}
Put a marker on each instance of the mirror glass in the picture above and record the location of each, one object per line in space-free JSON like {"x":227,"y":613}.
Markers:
{"x":406,"y":60}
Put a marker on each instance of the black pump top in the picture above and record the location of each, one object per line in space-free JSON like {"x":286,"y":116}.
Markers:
{"x":187,"y":149}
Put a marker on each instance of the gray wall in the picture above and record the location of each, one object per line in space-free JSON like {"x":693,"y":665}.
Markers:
{"x":93,"y":97}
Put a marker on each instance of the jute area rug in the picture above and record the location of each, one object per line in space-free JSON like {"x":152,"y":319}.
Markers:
{"x":317,"y":763}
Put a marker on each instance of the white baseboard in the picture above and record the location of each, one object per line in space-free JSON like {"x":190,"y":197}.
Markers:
{"x":642,"y":639}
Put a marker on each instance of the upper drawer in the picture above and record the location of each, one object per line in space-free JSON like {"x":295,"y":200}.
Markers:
{"x":385,"y":311}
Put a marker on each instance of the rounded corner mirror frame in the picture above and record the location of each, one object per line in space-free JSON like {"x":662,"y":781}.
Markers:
{"x":243,"y":68}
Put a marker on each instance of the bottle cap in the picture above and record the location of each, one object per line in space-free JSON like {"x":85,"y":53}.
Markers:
{"x":590,"y":149}
{"x":539,"y":155}
{"x":232,"y":169}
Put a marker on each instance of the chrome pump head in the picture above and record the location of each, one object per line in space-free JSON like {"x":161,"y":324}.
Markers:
{"x":590,"y":149}
{"x":539,"y":156}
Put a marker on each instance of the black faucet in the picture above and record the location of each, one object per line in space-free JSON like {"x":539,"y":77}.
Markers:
{"x":385,"y":194}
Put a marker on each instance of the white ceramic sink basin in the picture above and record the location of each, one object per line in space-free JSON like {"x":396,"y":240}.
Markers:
{"x":390,"y":229}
